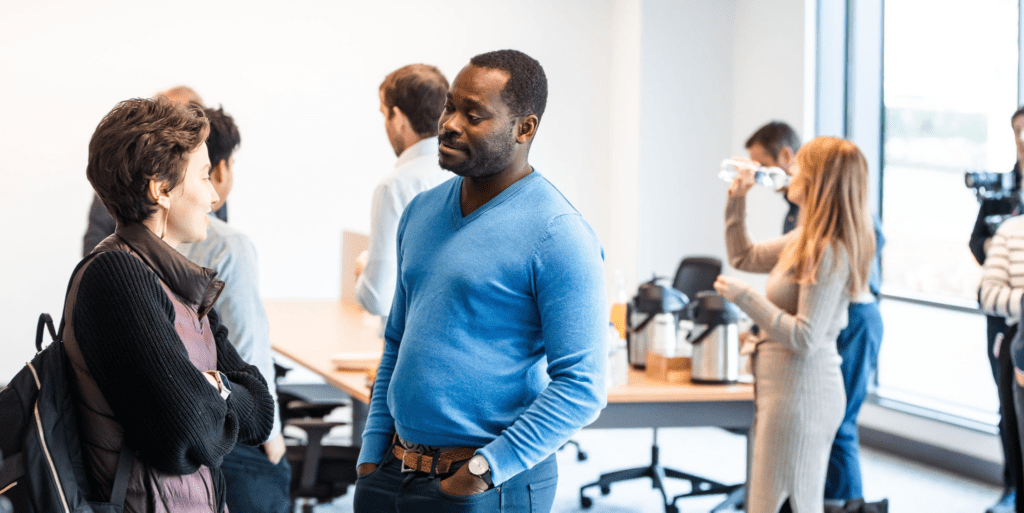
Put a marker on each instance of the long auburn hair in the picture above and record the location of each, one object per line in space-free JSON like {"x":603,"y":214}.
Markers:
{"x":833,"y":179}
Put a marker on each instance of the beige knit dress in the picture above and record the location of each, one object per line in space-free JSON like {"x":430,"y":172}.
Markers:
{"x":799,"y":398}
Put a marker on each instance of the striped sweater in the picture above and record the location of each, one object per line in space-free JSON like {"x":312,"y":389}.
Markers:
{"x":1002,"y":280}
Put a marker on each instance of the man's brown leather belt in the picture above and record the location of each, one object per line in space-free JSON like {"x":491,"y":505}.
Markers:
{"x":415,"y":461}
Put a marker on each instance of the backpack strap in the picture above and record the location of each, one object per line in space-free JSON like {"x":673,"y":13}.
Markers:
{"x":13,"y":467}
{"x":124,"y":463}
{"x":60,"y":331}
{"x":124,"y":470}
{"x":47,"y":321}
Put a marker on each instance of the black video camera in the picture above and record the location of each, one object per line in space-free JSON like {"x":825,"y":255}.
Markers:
{"x":993,"y":186}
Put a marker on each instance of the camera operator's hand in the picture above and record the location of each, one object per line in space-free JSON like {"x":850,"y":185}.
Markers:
{"x":744,"y":178}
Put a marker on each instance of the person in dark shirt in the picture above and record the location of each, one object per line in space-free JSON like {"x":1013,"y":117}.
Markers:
{"x":999,"y":336}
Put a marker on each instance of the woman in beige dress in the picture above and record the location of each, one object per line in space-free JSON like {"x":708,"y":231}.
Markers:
{"x":814,"y":273}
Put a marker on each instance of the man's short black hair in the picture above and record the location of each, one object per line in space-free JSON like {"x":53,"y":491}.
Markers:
{"x":224,"y":136}
{"x":773,"y":137}
{"x":526,"y":91}
{"x":1017,"y":113}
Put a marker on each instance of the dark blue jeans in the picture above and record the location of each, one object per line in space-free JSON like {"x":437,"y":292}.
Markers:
{"x":858,"y":345}
{"x":254,"y":484}
{"x":388,"y":490}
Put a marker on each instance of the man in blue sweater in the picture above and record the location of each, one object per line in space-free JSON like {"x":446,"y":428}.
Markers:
{"x":495,"y":346}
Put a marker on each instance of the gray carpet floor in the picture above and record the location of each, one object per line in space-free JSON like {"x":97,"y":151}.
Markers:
{"x":719,"y":455}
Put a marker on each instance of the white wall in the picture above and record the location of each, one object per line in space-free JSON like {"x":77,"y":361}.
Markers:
{"x":769,"y":83}
{"x":622,"y":246}
{"x":646,"y":97}
{"x":685,"y":129}
{"x":713,"y":72}
{"x":301,"y":80}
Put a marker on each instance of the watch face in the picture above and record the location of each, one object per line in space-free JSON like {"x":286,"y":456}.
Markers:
{"x":224,"y":379}
{"x":478,"y":465}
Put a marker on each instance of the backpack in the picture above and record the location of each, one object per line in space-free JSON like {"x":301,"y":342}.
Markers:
{"x":42,"y":469}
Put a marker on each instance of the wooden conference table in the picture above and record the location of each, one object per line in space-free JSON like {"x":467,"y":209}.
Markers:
{"x":311,"y":332}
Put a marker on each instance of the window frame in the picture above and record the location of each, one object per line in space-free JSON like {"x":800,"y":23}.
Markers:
{"x":849,"y":103}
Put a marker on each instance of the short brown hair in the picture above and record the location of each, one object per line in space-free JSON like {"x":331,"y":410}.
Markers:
{"x":773,"y":137}
{"x":138,"y":141}
{"x":418,"y":90}
{"x":1016,"y":114}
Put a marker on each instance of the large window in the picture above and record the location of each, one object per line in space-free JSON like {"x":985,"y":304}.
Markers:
{"x":950,"y":84}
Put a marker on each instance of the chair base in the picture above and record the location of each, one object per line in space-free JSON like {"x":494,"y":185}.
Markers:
{"x":699,"y":486}
{"x":580,"y":455}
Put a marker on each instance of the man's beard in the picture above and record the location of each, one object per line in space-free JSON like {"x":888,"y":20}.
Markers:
{"x":490,"y":158}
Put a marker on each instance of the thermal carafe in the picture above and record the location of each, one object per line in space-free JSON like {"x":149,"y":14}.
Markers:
{"x":652,"y":321}
{"x":715,"y":338}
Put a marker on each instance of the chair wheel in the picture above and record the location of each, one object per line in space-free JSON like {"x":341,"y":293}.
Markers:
{"x":586,"y":502}
{"x":581,"y":456}
{"x":605,"y":490}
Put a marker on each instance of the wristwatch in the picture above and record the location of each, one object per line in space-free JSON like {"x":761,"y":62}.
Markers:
{"x":223,"y":385}
{"x":479,"y":467}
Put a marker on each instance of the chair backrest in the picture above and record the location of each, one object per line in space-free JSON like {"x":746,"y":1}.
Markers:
{"x":696,"y":274}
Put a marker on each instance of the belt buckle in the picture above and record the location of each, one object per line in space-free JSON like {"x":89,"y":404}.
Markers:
{"x":405,"y":469}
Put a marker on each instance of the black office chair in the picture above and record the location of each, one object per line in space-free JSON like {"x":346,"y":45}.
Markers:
{"x":320,"y":471}
{"x":695,"y":274}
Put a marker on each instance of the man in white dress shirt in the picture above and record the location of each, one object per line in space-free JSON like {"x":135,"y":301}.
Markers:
{"x":411,"y":100}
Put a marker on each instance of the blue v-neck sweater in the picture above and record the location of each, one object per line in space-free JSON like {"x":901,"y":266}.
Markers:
{"x":496,"y":337}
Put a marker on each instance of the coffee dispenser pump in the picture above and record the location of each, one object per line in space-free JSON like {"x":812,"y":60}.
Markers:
{"x":652,"y":321}
{"x":715,"y":339}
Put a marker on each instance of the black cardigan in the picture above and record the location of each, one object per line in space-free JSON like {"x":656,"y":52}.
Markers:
{"x":172,"y":417}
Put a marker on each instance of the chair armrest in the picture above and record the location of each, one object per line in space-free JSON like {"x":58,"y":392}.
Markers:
{"x":299,"y":408}
{"x":315,"y":429}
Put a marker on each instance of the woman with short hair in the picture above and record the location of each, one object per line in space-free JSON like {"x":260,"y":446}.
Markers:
{"x":814,"y":273}
{"x":155,"y":372}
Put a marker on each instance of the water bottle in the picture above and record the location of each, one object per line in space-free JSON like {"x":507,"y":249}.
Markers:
{"x":773,"y":177}
{"x":617,"y":365}
{"x":618,"y":315}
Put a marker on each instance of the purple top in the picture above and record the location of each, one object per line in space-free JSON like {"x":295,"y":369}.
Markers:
{"x":190,"y":493}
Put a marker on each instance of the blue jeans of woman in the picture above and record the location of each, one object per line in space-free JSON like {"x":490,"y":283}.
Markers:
{"x":858,"y":345}
{"x":388,"y":490}
{"x":254,"y":484}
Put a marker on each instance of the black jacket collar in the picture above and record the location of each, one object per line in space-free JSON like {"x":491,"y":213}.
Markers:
{"x":195,"y":285}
